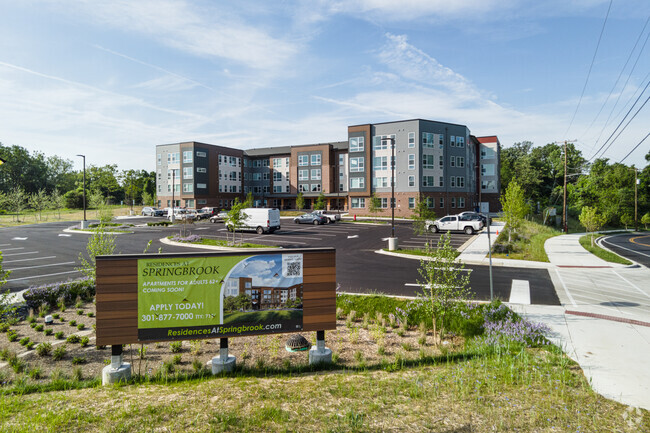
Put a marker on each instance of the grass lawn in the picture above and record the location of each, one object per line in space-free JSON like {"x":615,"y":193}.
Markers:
{"x":76,"y":215}
{"x":609,"y":256}
{"x":527,"y":243}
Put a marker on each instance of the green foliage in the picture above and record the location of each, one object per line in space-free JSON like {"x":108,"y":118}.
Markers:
{"x":444,"y":282}
{"x":591,"y":220}
{"x":38,"y":201}
{"x":320,"y":203}
{"x":374,"y":204}
{"x":58,"y":335}
{"x":44,"y":349}
{"x":627,"y":220}
{"x":421,"y":214}
{"x":100,"y":243}
{"x":241,"y":302}
{"x":645,"y":220}
{"x":514,"y":206}
{"x":300,"y":201}
{"x":176,"y":346}
{"x":236,"y":219}
{"x":587,"y":244}
{"x":73,"y":339}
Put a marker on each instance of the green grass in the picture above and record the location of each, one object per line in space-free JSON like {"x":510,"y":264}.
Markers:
{"x":609,"y":256}
{"x":222,"y":243}
{"x":527,"y":243}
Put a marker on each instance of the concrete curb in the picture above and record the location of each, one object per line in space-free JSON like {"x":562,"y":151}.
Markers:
{"x":211,"y":247}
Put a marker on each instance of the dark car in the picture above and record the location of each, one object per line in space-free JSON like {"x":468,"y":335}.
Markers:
{"x":220,"y":217}
{"x":310,"y":218}
{"x":474,"y":216}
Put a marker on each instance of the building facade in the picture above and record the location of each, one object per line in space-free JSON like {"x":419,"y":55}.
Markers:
{"x":438,"y":162}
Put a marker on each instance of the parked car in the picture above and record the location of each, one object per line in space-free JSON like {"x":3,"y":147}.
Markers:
{"x":454,"y":223}
{"x":311,"y":218}
{"x":182,"y":214}
{"x":261,"y":220}
{"x":220,"y":217}
{"x":331,"y":216}
{"x":152,"y":211}
{"x":202,"y":214}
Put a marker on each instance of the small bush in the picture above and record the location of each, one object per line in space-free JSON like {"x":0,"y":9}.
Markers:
{"x":56,"y":316}
{"x":79,"y":360}
{"x":24,"y":341}
{"x":12,"y":336}
{"x":73,"y":323}
{"x":197,"y":365}
{"x":59,"y":335}
{"x":176,"y":346}
{"x":80,"y":312}
{"x":31,"y":319}
{"x":35,"y":373}
{"x":59,"y":294}
{"x":84,"y":341}
{"x":177,"y":359}
{"x":59,"y":353}
{"x":48,"y":331}
{"x":81,"y":326}
{"x":90,"y":314}
{"x":77,"y":374}
{"x":44,"y":349}
{"x":30,"y":345}
{"x":73,"y":339}
{"x":32,"y":325}
{"x":39,"y":328}
{"x":4,"y":327}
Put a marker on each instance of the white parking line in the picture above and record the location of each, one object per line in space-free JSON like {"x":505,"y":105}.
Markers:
{"x":630,"y":283}
{"x":27,"y":260}
{"x":4,"y":245}
{"x":40,"y":276}
{"x":42,"y":266}
{"x":573,"y":302}
{"x":19,"y":254}
{"x":11,"y":249}
{"x":18,"y":239}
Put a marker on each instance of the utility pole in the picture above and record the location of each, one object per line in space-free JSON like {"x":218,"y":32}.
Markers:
{"x":565,"y":227}
{"x":636,"y":183}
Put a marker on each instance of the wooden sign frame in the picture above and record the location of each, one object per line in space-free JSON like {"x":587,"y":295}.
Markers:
{"x":117,"y":292}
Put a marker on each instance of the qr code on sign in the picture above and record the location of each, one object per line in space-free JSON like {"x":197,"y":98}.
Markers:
{"x":292,"y":265}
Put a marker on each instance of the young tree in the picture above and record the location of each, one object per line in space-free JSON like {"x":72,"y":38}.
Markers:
{"x":645,"y":220}
{"x":374,"y":205}
{"x":249,"y":200}
{"x":300,"y":201}
{"x":626,"y":220}
{"x":444,"y":283}
{"x":320,"y":203}
{"x":591,"y":220}
{"x":147,"y":199}
{"x":236,"y":219}
{"x":95,"y":200}
{"x":38,"y":201}
{"x":514,"y":207}
{"x":57,"y":201}
{"x":100,"y":243}
{"x":15,"y":201}
{"x":421,"y":214}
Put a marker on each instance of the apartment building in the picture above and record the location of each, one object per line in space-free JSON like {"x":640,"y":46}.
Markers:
{"x":439,"y":162}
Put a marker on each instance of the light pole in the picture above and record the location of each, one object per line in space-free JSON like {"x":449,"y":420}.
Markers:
{"x":392,"y":188}
{"x":84,"y":223}
{"x":636,"y":183}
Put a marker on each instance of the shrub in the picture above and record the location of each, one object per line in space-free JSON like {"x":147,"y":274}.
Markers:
{"x":35,"y":373}
{"x":59,"y":335}
{"x":4,"y":327}
{"x":44,"y":349}
{"x":31,"y":319}
{"x":84,"y":341}
{"x":176,"y":346}
{"x":48,"y":331}
{"x":24,"y":341}
{"x":90,"y":314}
{"x":32,"y":325}
{"x":56,"y":315}
{"x":30,"y":345}
{"x":73,"y":323}
{"x":73,"y":339}
{"x":59,"y":353}
{"x":177,"y":359}
{"x":80,"y":312}
{"x":81,"y":326}
{"x":79,"y":360}
{"x":39,"y":328}
{"x":12,"y":336}
{"x":51,"y":293}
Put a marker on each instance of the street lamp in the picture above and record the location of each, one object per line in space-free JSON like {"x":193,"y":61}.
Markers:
{"x":392,"y":188}
{"x":84,"y":223}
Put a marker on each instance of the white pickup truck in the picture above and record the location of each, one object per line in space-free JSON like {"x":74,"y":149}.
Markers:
{"x":331,"y":216}
{"x":459,"y":223}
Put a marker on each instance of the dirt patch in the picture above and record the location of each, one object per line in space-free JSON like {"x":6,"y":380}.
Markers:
{"x":353,"y":344}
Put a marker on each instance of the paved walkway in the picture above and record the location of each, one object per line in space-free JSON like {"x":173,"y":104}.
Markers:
{"x":604,"y":320}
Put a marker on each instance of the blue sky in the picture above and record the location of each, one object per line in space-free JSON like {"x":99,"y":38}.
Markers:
{"x":112,"y":79}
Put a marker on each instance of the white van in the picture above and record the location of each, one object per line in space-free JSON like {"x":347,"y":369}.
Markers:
{"x":261,"y":220}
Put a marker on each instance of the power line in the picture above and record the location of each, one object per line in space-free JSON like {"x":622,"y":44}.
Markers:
{"x":635,"y":147}
{"x":623,"y":120}
{"x":590,"y":67}
{"x":620,"y":75}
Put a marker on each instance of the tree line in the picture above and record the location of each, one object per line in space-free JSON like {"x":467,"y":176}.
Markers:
{"x":607,"y":187}
{"x":30,"y":180}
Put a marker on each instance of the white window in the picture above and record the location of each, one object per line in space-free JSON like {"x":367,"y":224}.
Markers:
{"x":380,"y":182}
{"x":160,"y":188}
{"x":358,"y":203}
{"x":277,"y":162}
{"x":287,"y":188}
{"x":441,"y":181}
{"x":427,"y":181}
{"x":341,"y":159}
{"x":173,"y":158}
{"x":357,"y":144}
{"x":411,"y":202}
{"x":315,"y":187}
{"x":461,"y":202}
{"x":452,"y":161}
{"x":303,"y":159}
{"x":277,"y":176}
{"x":431,"y":202}
{"x":201,"y":155}
{"x":201,"y":185}
{"x":257,"y":176}
{"x":383,"y":203}
{"x":265,"y":175}
{"x":159,"y":159}
{"x":188,"y":173}
{"x":357,"y":164}
{"x":441,"y":161}
{"x":315,"y":159}
{"x":460,"y":161}
{"x":427,"y":139}
{"x":442,"y":202}
{"x":200,"y":169}
{"x":411,"y":161}
{"x":460,"y":182}
{"x":303,"y":174}
{"x":315,"y":174}
{"x":357,"y":182}
{"x":452,"y":141}
{"x":453,"y":202}
{"x":411,"y":139}
{"x":441,"y":141}
{"x":188,"y":187}
{"x":380,"y":163}
{"x":187,"y":156}
{"x":453,"y":182}
{"x":411,"y":180}
{"x":257,"y":163}
{"x":277,"y":188}
{"x":460,"y":142}
{"x":303,"y":187}
{"x":265,"y":163}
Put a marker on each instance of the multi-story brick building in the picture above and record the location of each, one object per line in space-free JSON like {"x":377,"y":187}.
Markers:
{"x":439,"y":162}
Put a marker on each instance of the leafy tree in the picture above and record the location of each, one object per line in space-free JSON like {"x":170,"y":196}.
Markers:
{"x":60,"y":174}
{"x":100,"y":243}
{"x":444,"y":282}
{"x":645,"y":220}
{"x":73,"y":199}
{"x":241,"y":302}
{"x":300,"y":201}
{"x":421,"y":214}
{"x":514,"y":207}
{"x":147,"y":199}
{"x":57,"y":201}
{"x":95,"y":199}
{"x":236,"y":219}
{"x":591,"y":220}
{"x":22,"y":170}
{"x":374,"y":204}
{"x":132,"y":186}
{"x":249,"y":200}
{"x":16,"y":200}
{"x":105,"y":180}
{"x":627,"y":220}
{"x":320,"y":203}
{"x":38,"y":201}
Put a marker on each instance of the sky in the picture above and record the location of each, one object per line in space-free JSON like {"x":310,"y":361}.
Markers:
{"x":113,"y":79}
